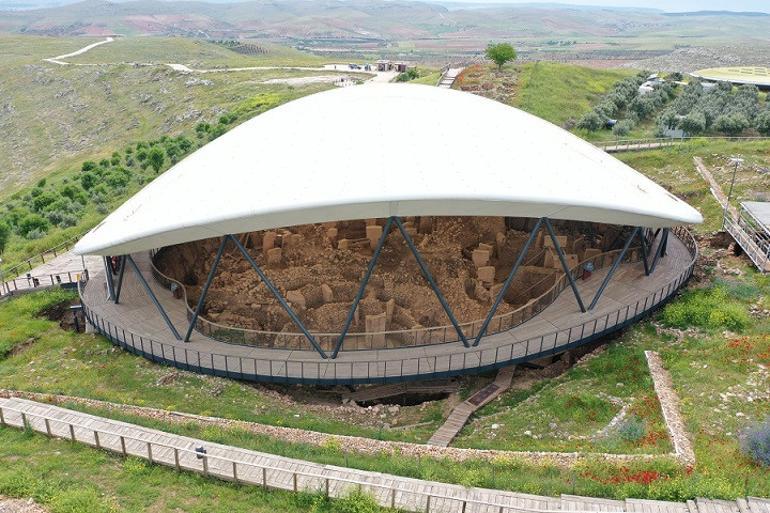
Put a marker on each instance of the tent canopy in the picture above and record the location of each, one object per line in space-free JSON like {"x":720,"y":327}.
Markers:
{"x":381,"y":150}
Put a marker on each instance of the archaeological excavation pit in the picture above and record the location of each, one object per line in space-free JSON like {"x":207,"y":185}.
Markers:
{"x":261,"y":256}
{"x":318,"y":268}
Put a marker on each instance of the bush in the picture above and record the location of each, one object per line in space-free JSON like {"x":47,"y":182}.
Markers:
{"x":5,"y":233}
{"x":763,"y":122}
{"x":591,"y":121}
{"x":755,"y":442}
{"x":623,"y":127}
{"x":31,"y":225}
{"x":357,"y":502}
{"x":693,"y":123}
{"x":710,"y":308}
{"x":632,"y":429}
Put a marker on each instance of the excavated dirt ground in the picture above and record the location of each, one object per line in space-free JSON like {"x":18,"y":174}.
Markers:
{"x":318,"y":268}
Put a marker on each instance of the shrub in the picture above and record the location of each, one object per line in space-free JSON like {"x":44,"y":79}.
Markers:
{"x":357,"y":502}
{"x":710,"y":308}
{"x":591,"y":121}
{"x":632,"y":429}
{"x":5,"y":233}
{"x":88,"y":180}
{"x":623,"y":127}
{"x":693,"y":123}
{"x":755,"y":442}
{"x":762,"y":122}
{"x":31,"y":225}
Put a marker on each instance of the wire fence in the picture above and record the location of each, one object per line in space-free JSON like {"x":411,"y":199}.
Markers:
{"x":352,"y":368}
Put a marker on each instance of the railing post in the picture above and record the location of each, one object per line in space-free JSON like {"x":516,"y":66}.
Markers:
{"x":47,"y":427}
{"x":96,"y":440}
{"x":123,"y":445}
{"x":176,"y":459}
{"x":235,"y":472}
{"x":264,"y":478}
{"x":72,"y":432}
{"x":2,"y":418}
{"x":149,"y":452}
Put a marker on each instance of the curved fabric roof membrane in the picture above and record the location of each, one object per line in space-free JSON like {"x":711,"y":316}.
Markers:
{"x":379,"y":150}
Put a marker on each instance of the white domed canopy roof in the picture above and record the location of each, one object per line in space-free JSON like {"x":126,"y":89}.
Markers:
{"x":378,"y":151}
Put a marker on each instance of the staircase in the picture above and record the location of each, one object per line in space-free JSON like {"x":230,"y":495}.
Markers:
{"x":463,"y":411}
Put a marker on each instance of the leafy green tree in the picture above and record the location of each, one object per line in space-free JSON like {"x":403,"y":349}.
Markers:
{"x":5,"y":233}
{"x":87,"y":180}
{"x":693,"y":123}
{"x":591,"y":121}
{"x":500,"y":53}
{"x":156,"y":158}
{"x":623,"y":127}
{"x":731,"y":124}
{"x":32,"y":223}
{"x":762,"y":122}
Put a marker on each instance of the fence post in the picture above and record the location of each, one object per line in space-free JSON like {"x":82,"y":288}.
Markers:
{"x":2,"y":418}
{"x":47,"y":427}
{"x":72,"y":432}
{"x":294,"y":481}
{"x":235,"y":472}
{"x":149,"y":452}
{"x":176,"y":459}
{"x":123,"y":445}
{"x":264,"y":478}
{"x":96,"y":439}
{"x":24,"y":421}
{"x":427,"y":505}
{"x":205,"y":465}
{"x":326,"y":487}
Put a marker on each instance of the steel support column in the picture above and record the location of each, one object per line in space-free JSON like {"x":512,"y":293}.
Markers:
{"x":110,"y":284}
{"x":152,"y":296}
{"x":120,"y":279}
{"x":643,"y":240}
{"x":508,"y":281}
{"x":277,"y":294}
{"x":563,"y":260}
{"x":205,"y":290}
{"x":362,"y":287}
{"x":612,"y":270}
{"x":659,"y":250}
{"x":426,"y":274}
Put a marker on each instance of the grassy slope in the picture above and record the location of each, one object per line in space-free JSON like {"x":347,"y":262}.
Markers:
{"x":559,"y":93}
{"x":70,"y":478}
{"x":55,"y":116}
{"x":562,"y":92}
{"x":89,"y":366}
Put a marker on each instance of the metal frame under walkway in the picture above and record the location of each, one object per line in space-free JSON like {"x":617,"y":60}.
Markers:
{"x":136,"y":325}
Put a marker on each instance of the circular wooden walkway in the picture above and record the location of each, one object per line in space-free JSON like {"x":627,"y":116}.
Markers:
{"x":136,"y":325}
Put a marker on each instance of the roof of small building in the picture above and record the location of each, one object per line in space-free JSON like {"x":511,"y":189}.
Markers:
{"x":315,"y":160}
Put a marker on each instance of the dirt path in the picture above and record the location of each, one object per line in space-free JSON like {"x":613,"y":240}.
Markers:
{"x":375,"y":76}
{"x":59,"y":59}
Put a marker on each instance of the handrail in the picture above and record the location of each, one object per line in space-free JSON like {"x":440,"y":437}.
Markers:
{"x":242,"y":478}
{"x":750,"y":246}
{"x":617,"y":143}
{"x":501,"y":322}
{"x":27,"y":262}
{"x":348,"y":371}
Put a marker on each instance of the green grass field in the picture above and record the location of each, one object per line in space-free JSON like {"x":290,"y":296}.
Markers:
{"x":559,"y":93}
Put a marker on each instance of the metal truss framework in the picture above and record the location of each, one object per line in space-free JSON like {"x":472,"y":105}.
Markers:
{"x":542,"y":222}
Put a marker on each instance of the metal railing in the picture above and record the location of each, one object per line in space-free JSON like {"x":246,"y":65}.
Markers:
{"x":237,"y":470}
{"x":391,"y":339}
{"x":26,"y":264}
{"x":349,"y":370}
{"x":619,"y":145}
{"x":24,"y":285}
{"x":757,"y":251}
